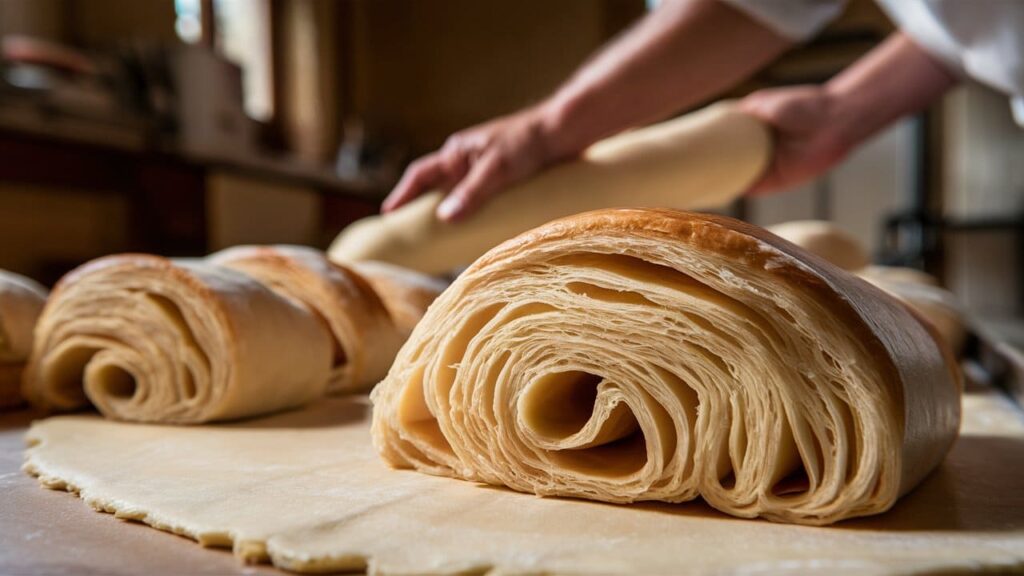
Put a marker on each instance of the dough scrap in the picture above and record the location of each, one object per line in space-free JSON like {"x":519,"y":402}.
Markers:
{"x":21,"y":302}
{"x":306,"y":491}
{"x":639,"y":354}
{"x":702,"y":160}
{"x":247,"y":331}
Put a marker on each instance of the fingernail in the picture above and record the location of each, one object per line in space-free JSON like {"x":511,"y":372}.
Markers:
{"x":448,"y":208}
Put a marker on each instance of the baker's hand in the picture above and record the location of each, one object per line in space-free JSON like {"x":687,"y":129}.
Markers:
{"x":476,"y":163}
{"x":807,"y":139}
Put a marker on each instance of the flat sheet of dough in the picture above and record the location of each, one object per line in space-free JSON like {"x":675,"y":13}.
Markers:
{"x":307,"y":490}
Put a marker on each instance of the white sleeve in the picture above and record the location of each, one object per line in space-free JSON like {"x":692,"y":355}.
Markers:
{"x":797,"y":20}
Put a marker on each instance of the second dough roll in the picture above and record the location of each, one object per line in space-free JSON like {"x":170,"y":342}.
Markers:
{"x":364,"y":336}
{"x":628,"y":355}
{"x":143,"y":338}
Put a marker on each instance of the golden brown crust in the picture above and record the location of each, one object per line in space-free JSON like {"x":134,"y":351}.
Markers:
{"x":365,"y":336}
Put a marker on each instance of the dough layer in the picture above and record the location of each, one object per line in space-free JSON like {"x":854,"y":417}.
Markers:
{"x":21,"y":302}
{"x":702,"y":160}
{"x":305,"y":490}
{"x":628,"y":355}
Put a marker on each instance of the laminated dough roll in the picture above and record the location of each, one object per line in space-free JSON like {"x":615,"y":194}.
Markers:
{"x":21,"y":302}
{"x":639,"y":354}
{"x":702,"y":160}
{"x":143,"y":338}
{"x":364,"y":336}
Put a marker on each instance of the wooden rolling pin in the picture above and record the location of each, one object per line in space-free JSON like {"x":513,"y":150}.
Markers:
{"x":701,"y":160}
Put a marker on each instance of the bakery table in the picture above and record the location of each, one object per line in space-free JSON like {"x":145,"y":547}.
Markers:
{"x":47,"y":532}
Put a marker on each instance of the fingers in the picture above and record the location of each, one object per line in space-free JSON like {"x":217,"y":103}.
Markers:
{"x":420,"y":176}
{"x":485,"y":178}
{"x":793,"y":109}
{"x":442,"y":169}
{"x":774,"y":106}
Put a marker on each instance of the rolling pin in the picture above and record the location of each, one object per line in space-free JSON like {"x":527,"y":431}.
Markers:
{"x":701,"y":160}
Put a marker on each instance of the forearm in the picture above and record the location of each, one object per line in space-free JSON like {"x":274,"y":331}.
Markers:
{"x":680,"y":54}
{"x":895,"y":79}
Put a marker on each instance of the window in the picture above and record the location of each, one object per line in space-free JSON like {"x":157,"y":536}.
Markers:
{"x":241,"y":33}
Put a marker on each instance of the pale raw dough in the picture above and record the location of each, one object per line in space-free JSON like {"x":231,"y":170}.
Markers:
{"x":21,"y":302}
{"x":703,"y":160}
{"x":306,"y":489}
{"x":898,"y":274}
{"x":638,"y":354}
{"x":826,"y":240}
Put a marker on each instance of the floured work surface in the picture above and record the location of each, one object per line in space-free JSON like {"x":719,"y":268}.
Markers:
{"x":307,"y":491}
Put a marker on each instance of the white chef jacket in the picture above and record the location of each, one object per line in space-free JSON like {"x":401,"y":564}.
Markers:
{"x":980,"y":39}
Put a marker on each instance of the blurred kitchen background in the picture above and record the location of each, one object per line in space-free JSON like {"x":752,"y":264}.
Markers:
{"x":183,"y":126}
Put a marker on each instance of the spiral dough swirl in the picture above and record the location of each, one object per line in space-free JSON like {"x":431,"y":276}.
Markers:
{"x":628,"y":355}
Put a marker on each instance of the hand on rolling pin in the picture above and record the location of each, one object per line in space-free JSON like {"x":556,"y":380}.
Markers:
{"x":680,"y":54}
{"x":807,"y":142}
{"x":816,"y":126}
{"x":479,"y":161}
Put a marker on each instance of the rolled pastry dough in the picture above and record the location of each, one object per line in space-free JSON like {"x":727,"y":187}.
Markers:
{"x":21,"y":302}
{"x":145,"y":339}
{"x":627,"y":355}
{"x":701,"y":160}
{"x":365,"y":339}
